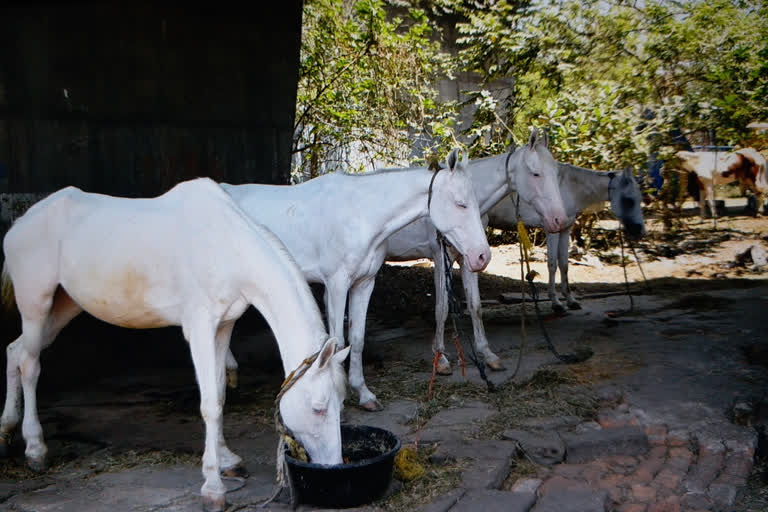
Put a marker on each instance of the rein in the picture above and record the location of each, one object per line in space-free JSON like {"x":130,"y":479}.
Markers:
{"x":286,"y":436}
{"x":454,"y":307}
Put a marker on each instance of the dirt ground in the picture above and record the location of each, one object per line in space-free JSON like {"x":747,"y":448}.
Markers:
{"x":122,"y":420}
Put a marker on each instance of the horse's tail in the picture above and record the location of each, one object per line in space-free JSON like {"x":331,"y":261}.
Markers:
{"x":7,"y":296}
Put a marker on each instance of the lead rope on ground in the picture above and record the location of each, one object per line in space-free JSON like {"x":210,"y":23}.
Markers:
{"x":286,"y":436}
{"x":526,"y":246}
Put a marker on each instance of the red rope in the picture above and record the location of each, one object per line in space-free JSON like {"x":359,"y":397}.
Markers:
{"x":461,"y":354}
{"x":434,"y":372}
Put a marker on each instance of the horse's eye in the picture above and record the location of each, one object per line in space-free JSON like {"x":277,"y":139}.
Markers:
{"x":536,"y":175}
{"x":319,"y":412}
{"x":462,"y":206}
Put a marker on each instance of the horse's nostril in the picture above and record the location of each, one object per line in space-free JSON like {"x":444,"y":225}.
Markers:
{"x":482,"y":257}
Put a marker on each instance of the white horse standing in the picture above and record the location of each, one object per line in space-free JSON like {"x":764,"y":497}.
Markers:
{"x":531,"y":172}
{"x":335,"y":226}
{"x":191,"y":258}
{"x":581,"y":189}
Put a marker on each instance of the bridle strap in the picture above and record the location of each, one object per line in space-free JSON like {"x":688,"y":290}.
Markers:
{"x":429,"y":195}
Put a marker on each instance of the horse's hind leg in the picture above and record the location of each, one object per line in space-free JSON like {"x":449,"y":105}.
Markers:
{"x":42,"y":320}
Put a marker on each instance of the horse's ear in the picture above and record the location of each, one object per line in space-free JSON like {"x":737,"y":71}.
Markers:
{"x":628,"y":172}
{"x":512,"y":146}
{"x":465,"y":160}
{"x":533,"y":138}
{"x":545,"y":138}
{"x":452,"y":159}
{"x":341,"y":355}
{"x":329,"y":348}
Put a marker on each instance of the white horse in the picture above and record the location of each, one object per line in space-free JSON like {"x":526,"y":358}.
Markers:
{"x":190,"y":257}
{"x":581,"y":189}
{"x":530,"y":171}
{"x":336,"y":225}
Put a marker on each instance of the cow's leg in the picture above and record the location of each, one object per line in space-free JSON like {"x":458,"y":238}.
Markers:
{"x":443,"y":366}
{"x":562,"y":260}
{"x":553,"y":243}
{"x":359,"y":297}
{"x":229,"y":462}
{"x":209,"y":369}
{"x":472,"y":293}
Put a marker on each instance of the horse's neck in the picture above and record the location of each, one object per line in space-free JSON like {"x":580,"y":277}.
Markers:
{"x":390,"y":200}
{"x":282,"y":296}
{"x":586,"y":187}
{"x":489,"y":178}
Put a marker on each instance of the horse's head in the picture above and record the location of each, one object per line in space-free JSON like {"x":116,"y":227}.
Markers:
{"x":311,"y":408}
{"x":533,"y":173}
{"x":626,"y":200}
{"x":455,"y":213}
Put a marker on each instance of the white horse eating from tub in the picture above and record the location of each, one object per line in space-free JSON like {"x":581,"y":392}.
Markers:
{"x":532,"y":173}
{"x":192,"y":258}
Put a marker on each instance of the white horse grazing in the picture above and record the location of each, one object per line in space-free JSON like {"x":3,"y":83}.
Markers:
{"x":190,"y":257}
{"x":581,"y":189}
{"x":336,"y":226}
{"x":532,"y":173}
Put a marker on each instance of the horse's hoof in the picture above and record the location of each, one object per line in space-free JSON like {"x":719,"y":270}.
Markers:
{"x":496,"y":365}
{"x":5,"y":446}
{"x":443,"y":369}
{"x":558,"y":308}
{"x":37,"y":464}
{"x":236,"y":471}
{"x":231,"y":378}
{"x":214,"y":503}
{"x":574,"y":305}
{"x":372,"y":406}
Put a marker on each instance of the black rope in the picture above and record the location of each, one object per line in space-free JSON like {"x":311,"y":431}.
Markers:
{"x":454,"y":308}
{"x":576,"y":357}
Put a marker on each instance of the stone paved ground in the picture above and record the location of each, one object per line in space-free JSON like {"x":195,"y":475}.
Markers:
{"x":661,"y":440}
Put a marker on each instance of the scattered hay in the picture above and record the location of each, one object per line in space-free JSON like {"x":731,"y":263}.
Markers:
{"x":436,"y":481}
{"x":112,"y":463}
{"x":601,"y":367}
{"x":521,"y":468}
{"x":407,"y":465}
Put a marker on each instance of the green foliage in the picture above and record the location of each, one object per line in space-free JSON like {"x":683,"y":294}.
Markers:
{"x":607,"y":78}
{"x":366,"y":86}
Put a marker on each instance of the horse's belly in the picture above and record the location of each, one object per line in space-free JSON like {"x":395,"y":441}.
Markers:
{"x":126,"y":299}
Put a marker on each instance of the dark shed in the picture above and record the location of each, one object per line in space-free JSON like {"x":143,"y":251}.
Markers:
{"x":129,"y":98}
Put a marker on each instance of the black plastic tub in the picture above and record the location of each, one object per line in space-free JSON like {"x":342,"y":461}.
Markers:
{"x":370,"y":452}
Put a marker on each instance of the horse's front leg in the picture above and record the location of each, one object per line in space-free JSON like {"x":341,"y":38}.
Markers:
{"x":359,"y":297}
{"x":553,"y":243}
{"x":208,"y":360}
{"x":336,"y":290}
{"x":472,"y":293}
{"x":229,"y":462}
{"x":711,"y":201}
{"x":562,"y":260}
{"x":443,"y":366}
